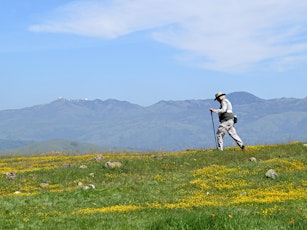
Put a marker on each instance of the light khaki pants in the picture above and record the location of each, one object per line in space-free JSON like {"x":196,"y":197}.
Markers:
{"x":227,"y":127}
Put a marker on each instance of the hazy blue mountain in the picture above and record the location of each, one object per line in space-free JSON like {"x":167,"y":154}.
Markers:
{"x":13,"y":144}
{"x":166,"y":125}
{"x":238,"y":98}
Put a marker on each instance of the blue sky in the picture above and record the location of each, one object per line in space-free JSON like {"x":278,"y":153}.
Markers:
{"x":144,"y":51}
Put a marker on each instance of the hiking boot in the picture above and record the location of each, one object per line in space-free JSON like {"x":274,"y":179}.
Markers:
{"x":243,"y":147}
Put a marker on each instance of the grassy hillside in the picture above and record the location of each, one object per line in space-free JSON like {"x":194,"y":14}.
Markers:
{"x":196,"y":189}
{"x":65,"y":146}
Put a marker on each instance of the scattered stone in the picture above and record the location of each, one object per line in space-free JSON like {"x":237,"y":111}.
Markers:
{"x":305,"y":145}
{"x":99,"y":158}
{"x":158,"y":157}
{"x":90,"y":186}
{"x":66,"y":166}
{"x":243,"y":194}
{"x":80,"y":184}
{"x":113,"y":164}
{"x":44,"y":185}
{"x":47,"y":204}
{"x":10,"y":175}
{"x":17,"y":192}
{"x":253,"y":159}
{"x":271,"y":174}
{"x":92,"y":174}
{"x":83,"y":167}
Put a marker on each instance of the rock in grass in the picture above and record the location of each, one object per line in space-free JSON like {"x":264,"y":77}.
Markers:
{"x":66,"y":166}
{"x":92,"y":174}
{"x":253,"y":159}
{"x":90,"y":186}
{"x":158,"y":157}
{"x":10,"y":175}
{"x":271,"y":174}
{"x":99,"y":158}
{"x":80,"y":184}
{"x":113,"y":164}
{"x":44,"y":185}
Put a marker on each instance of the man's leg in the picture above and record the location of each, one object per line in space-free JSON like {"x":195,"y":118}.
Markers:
{"x":233,"y":133}
{"x":222,"y":130}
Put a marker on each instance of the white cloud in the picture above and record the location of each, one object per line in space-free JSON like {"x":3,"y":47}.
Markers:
{"x":224,"y":35}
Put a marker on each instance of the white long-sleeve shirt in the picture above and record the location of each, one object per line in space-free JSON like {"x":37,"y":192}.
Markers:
{"x":225,"y":111}
{"x":226,"y":107}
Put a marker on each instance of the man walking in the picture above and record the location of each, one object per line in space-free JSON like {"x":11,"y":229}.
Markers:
{"x":226,"y":118}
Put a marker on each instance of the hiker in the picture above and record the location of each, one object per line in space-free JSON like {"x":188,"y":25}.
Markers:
{"x":226,"y":118}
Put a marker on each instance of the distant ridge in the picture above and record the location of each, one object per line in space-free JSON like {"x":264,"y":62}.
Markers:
{"x":239,"y":98}
{"x":165,"y":125}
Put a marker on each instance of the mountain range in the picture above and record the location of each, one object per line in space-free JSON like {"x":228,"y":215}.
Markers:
{"x":96,"y":125}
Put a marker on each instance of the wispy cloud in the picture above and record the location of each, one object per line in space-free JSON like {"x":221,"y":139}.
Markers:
{"x":223,"y":35}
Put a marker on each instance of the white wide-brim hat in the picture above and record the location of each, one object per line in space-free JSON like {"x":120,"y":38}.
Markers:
{"x":217,"y":95}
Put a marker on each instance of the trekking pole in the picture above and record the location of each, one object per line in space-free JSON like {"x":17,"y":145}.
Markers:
{"x":214,"y":131}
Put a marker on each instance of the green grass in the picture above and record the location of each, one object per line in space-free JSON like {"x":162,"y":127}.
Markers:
{"x":196,"y":189}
